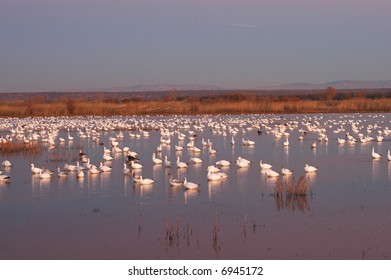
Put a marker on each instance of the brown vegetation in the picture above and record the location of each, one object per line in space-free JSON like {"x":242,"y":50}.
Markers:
{"x":328,"y":101}
{"x":9,"y":148}
{"x":291,"y":195}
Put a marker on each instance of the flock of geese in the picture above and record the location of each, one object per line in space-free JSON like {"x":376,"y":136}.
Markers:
{"x":187,"y":134}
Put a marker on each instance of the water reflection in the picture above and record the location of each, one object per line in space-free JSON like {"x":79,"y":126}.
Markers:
{"x":344,"y":165}
{"x":292,"y":203}
{"x":190,"y":195}
{"x":213,"y":188}
{"x":375,"y":168}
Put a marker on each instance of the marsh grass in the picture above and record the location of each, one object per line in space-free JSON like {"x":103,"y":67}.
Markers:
{"x":292,"y":194}
{"x":261,"y":105}
{"x":11,"y":148}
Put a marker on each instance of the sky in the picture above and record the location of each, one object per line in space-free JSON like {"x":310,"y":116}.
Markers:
{"x":55,"y":45}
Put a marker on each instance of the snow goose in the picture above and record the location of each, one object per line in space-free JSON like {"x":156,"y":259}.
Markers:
{"x":35,"y":170}
{"x":167,"y":163}
{"x":190,"y":185}
{"x":135,"y":165}
{"x":146,"y":181}
{"x":70,"y":167}
{"x":104,"y":168}
{"x":374,"y":154}
{"x":126,"y":170}
{"x":156,"y":160}
{"x":94,"y":170}
{"x":178,"y":148}
{"x":341,"y":141}
{"x":310,"y":169}
{"x":6,"y":163}
{"x":60,"y":173}
{"x":286,"y":171}
{"x":223,"y":162}
{"x":195,"y":160}
{"x":136,"y":178}
{"x":272,"y":173}
{"x":107,"y":157}
{"x":265,"y":165}
{"x":213,"y":169}
{"x":4,"y":178}
{"x":248,"y":142}
{"x":213,"y":176}
{"x":248,"y":162}
{"x":212,"y":151}
{"x":181,"y":164}
{"x":80,"y":174}
{"x":44,"y":175}
{"x":175,"y":182}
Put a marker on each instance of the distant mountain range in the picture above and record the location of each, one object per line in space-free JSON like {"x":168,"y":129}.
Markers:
{"x":343,"y":84}
{"x":160,"y":87}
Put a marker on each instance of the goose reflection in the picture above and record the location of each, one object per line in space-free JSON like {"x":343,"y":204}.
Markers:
{"x":190,"y":194}
{"x":213,"y":188}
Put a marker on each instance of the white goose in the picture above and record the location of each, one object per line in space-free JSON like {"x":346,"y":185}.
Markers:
{"x":146,"y":181}
{"x":190,"y":185}
{"x":286,"y":171}
{"x":44,"y":175}
{"x":248,"y":142}
{"x":341,"y":141}
{"x":6,"y":163}
{"x":181,"y":164}
{"x":213,"y":176}
{"x":213,"y":169}
{"x":156,"y":160}
{"x":374,"y":154}
{"x":70,"y":167}
{"x":94,"y":170}
{"x":272,"y":173}
{"x":104,"y":168}
{"x":4,"y":178}
{"x":35,"y":170}
{"x":135,"y":165}
{"x":175,"y":182}
{"x":60,"y":173}
{"x":241,"y":163}
{"x":388,"y":155}
{"x":195,"y":160}
{"x":107,"y":157}
{"x":126,"y":170}
{"x":80,"y":174}
{"x":310,"y":169}
{"x":212,"y":151}
{"x":265,"y":165}
{"x":167,"y":163}
{"x":223,"y":162}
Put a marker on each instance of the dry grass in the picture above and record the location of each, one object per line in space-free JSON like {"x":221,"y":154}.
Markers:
{"x":191,"y":106}
{"x":10,"y":148}
{"x":291,"y":194}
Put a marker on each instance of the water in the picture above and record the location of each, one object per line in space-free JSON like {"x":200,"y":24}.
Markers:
{"x":345,"y":214}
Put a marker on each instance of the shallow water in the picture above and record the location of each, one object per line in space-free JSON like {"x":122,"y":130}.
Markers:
{"x":346,"y":213}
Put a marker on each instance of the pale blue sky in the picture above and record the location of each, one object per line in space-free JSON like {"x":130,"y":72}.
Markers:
{"x":48,"y":45}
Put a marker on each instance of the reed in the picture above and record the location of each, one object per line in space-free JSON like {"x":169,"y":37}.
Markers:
{"x":10,"y":148}
{"x":292,"y":194}
{"x":216,"y":239}
{"x":261,"y":105}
